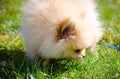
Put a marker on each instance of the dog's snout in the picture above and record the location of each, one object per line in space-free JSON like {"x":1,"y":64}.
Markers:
{"x":81,"y":56}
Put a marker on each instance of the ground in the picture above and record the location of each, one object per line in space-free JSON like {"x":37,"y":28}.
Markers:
{"x":105,"y":64}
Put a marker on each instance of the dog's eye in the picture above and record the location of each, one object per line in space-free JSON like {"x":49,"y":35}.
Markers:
{"x":77,"y":51}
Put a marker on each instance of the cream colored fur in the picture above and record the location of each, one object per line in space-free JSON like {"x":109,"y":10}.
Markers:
{"x":41,"y":18}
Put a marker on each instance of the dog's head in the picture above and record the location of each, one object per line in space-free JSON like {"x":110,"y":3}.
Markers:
{"x":71,"y":39}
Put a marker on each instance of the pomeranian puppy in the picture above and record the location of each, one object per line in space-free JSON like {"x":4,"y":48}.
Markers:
{"x":60,"y":28}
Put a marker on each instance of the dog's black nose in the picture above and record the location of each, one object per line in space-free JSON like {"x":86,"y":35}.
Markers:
{"x":83,"y":56}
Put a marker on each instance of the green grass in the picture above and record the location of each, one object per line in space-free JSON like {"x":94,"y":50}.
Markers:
{"x":105,"y":64}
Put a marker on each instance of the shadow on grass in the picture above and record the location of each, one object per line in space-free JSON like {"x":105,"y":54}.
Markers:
{"x":14,"y":63}
{"x":10,"y":61}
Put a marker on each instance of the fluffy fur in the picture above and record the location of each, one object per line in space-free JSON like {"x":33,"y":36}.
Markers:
{"x":60,"y":28}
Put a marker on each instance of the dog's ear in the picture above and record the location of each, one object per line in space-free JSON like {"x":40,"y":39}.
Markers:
{"x":66,"y":29}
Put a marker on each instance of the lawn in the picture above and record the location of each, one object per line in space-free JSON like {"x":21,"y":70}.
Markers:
{"x":104,"y":64}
